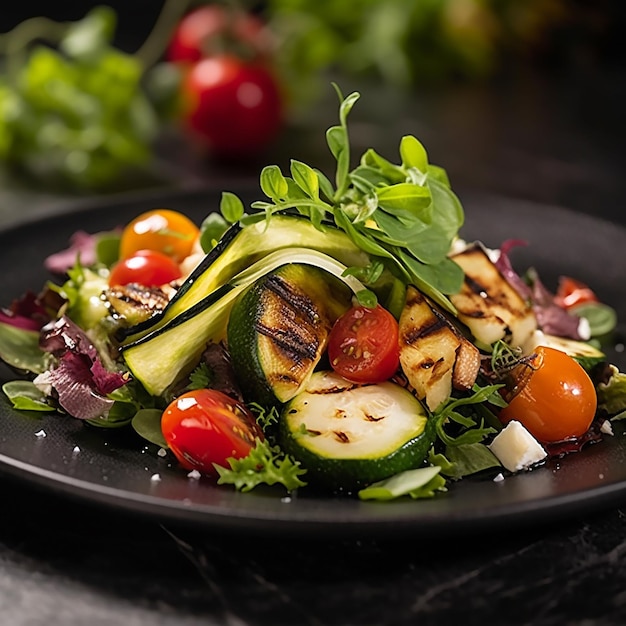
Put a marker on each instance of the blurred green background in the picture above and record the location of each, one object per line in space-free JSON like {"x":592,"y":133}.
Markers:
{"x":402,"y":50}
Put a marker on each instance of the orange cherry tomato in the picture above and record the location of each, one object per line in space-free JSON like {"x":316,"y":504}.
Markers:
{"x":164,"y":230}
{"x":556,"y":398}
{"x":363,"y":345}
{"x":205,"y":426}
{"x":147,"y":267}
{"x":571,"y":292}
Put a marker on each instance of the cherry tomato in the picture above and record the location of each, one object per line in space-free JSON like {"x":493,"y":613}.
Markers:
{"x":164,"y":230}
{"x":147,"y":267}
{"x":205,"y":426}
{"x":571,"y":292}
{"x":232,"y":107}
{"x":208,"y":30}
{"x":556,"y":398}
{"x":363,"y":345}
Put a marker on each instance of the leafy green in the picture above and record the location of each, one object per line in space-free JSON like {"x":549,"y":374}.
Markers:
{"x":467,"y":459}
{"x":601,"y":317}
{"x":108,"y":247}
{"x":82,"y":290}
{"x":405,"y":216}
{"x":19,"y":348}
{"x":423,"y":482}
{"x":147,"y":423}
{"x":612,"y":394}
{"x":266,"y":464}
{"x":73,"y":111}
{"x":26,"y":396}
{"x":201,"y":377}
{"x":469,"y":425}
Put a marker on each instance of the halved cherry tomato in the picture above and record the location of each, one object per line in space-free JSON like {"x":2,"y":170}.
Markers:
{"x":205,"y":426}
{"x":571,"y":292}
{"x":232,"y":107}
{"x":209,"y":30}
{"x":363,"y":345}
{"x":146,"y":267}
{"x":556,"y":398}
{"x":164,"y":230}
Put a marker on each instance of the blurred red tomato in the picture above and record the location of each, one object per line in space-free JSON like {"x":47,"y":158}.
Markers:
{"x":214,"y":29}
{"x":233,"y":106}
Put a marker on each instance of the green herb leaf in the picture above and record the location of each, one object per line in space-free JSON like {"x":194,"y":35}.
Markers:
{"x":266,"y":464}
{"x":231,"y":207}
{"x":413,"y":153}
{"x":366,"y":298}
{"x":212,"y":228}
{"x":406,"y":199}
{"x":273,"y":183}
{"x":306,"y":179}
{"x":201,"y":377}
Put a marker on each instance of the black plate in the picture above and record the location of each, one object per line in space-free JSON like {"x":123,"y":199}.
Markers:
{"x":115,"y":469}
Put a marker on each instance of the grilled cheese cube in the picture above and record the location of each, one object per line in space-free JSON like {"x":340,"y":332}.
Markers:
{"x":434,"y":355}
{"x":487,"y":304}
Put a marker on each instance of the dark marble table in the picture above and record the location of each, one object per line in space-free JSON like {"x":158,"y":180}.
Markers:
{"x":64,"y":561}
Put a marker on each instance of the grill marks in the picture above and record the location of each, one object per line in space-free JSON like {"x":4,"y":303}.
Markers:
{"x":293,"y":328}
{"x":489,"y":306}
{"x":434,"y":355}
{"x":297,"y":329}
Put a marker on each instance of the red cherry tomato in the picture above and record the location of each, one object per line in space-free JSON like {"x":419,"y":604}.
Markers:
{"x":164,"y":230}
{"x":206,"y":426}
{"x":571,"y":292}
{"x":147,"y":267}
{"x":232,"y":107}
{"x":556,"y":398}
{"x":208,"y":30}
{"x":363,"y":345}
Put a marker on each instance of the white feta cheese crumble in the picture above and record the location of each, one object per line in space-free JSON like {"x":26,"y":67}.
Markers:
{"x":493,"y":254}
{"x":40,"y":433}
{"x":43,"y":382}
{"x":499,"y":478}
{"x":516,"y":448}
{"x":155,"y":478}
{"x":194,"y":474}
{"x":606,"y":428}
{"x":458,"y":245}
{"x":584,"y":329}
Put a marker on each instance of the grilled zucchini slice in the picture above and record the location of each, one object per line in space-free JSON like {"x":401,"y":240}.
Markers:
{"x":278,"y":330}
{"x":348,"y":436}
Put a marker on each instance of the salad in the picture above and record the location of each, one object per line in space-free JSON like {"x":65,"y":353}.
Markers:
{"x":337,"y":336}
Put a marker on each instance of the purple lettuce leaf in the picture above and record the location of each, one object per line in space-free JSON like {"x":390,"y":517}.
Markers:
{"x":25,"y":312}
{"x":79,"y":378}
{"x":551,"y":318}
